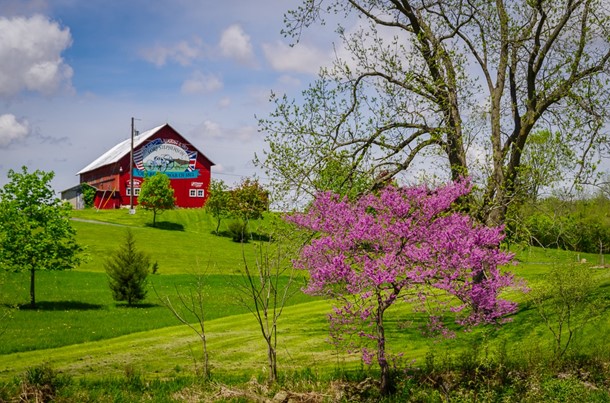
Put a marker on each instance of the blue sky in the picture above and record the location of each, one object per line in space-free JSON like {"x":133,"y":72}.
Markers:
{"x":74,"y":72}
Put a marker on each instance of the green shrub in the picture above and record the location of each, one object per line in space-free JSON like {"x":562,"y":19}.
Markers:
{"x":41,"y":383}
{"x":88,"y":194}
{"x":239,"y":231}
{"x":565,"y":302}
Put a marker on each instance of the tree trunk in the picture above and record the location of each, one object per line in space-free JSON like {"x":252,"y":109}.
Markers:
{"x":272,"y":363}
{"x":386,"y":382}
{"x":206,"y":362}
{"x":32,"y":288}
{"x":272,"y":355}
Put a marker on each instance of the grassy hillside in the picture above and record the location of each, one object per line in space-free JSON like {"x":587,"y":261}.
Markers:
{"x":235,"y":347}
{"x":79,"y":330}
{"x":76,"y":306}
{"x":182,"y":242}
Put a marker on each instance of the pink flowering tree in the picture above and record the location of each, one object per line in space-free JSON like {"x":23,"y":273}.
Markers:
{"x":402,"y":244}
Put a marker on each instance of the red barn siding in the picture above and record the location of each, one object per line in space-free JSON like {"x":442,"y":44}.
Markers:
{"x":113,"y":180}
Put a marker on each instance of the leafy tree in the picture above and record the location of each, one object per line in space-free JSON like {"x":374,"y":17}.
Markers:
{"x":217,"y":203}
{"x":581,"y":225}
{"x":544,"y":160}
{"x":127,"y":271}
{"x":340,"y":175}
{"x":157,"y":194}
{"x":35,"y":229}
{"x":457,"y":85}
{"x":5,"y":312}
{"x":248,"y":201}
{"x":403,"y":244}
{"x":88,"y":194}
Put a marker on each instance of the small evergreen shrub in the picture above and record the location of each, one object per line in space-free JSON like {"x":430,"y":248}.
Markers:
{"x":128,"y":271}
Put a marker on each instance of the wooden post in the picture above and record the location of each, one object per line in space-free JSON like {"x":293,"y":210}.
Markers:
{"x":131,"y":190}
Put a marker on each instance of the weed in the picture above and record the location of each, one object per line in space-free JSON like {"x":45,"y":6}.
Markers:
{"x":155,"y":268}
{"x":133,"y":377}
{"x":41,"y":383}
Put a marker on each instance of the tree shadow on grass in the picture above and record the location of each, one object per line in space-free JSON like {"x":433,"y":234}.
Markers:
{"x":254,"y":236}
{"x":223,"y":234}
{"x":137,"y":305}
{"x":61,"y":306}
{"x":166,"y":225}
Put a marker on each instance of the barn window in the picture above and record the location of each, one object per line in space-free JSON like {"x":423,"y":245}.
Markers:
{"x":196,"y":192}
{"x":136,"y":192}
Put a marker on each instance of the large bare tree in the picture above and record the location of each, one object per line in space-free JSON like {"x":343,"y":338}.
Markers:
{"x":455,"y":84}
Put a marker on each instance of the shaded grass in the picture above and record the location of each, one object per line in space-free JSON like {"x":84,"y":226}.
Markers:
{"x":165,"y":225}
{"x":59,"y":306}
{"x":456,"y":383}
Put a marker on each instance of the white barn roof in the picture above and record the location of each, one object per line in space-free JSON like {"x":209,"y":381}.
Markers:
{"x":117,"y":152}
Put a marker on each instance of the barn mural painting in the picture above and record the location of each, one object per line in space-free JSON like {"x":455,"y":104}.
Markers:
{"x":161,"y":149}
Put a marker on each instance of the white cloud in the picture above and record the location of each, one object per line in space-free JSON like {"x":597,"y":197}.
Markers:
{"x":12,"y":129}
{"x":224,"y":103}
{"x":289,"y":81}
{"x":218,"y":169}
{"x":183,"y":53}
{"x":30,"y":51}
{"x":201,"y":83}
{"x":245,"y":133}
{"x":299,"y":58}
{"x":235,"y":44}
{"x":210,"y":130}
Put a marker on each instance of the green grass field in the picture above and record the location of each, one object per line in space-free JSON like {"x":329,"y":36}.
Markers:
{"x":183,"y":241}
{"x":81,"y":331}
{"x":75,"y":307}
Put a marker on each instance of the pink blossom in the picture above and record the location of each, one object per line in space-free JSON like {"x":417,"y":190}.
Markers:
{"x":373,"y":252}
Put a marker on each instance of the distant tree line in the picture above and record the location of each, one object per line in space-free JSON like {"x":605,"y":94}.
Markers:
{"x":581,"y":225}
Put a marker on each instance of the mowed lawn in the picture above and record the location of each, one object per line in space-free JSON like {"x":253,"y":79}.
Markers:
{"x":76,"y":306}
{"x":182,"y":242}
{"x":79,"y":329}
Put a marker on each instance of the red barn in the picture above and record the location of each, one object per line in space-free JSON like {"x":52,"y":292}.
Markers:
{"x":161,"y":149}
